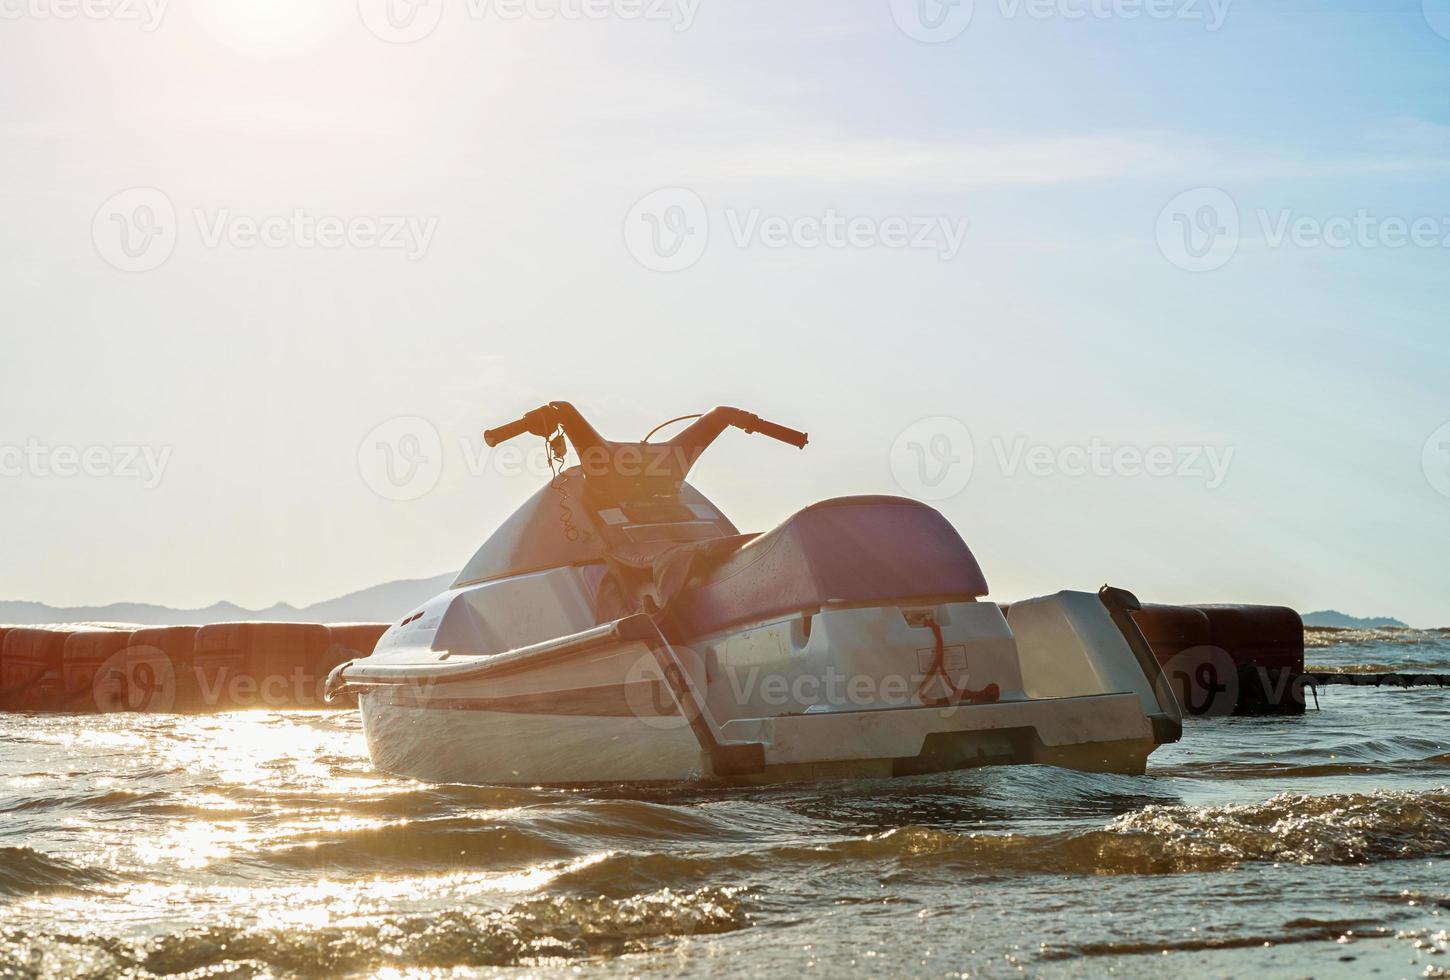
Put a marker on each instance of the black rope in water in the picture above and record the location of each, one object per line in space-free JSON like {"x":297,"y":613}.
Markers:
{"x":1350,"y":679}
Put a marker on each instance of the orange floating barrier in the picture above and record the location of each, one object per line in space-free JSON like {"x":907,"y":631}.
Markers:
{"x":1203,"y":677}
{"x":1259,"y":636}
{"x":352,"y":641}
{"x":87,"y":655}
{"x":30,"y":671}
{"x":159,"y":671}
{"x":1170,"y":630}
{"x":1266,"y":643}
{"x":1229,"y":659}
{"x":4,"y":632}
{"x":265,"y":665}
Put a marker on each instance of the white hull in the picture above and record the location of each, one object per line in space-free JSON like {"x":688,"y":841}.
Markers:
{"x":604,"y":709}
{"x":489,"y":747}
{"x":492,"y":747}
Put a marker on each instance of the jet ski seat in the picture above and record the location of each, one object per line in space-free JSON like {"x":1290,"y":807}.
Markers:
{"x":844,"y":551}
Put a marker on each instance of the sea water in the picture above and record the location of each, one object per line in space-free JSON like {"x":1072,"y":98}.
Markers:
{"x":257,"y":843}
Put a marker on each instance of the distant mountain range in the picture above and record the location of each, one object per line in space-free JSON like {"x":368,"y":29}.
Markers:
{"x":379,"y":604}
{"x":1332,"y":617}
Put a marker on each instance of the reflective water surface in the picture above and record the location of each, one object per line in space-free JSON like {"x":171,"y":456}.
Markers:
{"x":259,"y":843}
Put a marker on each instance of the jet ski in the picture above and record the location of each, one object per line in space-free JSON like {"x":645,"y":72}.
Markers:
{"x":619,"y":628}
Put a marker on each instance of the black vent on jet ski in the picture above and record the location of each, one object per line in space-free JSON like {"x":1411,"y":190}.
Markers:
{"x":843,"y":551}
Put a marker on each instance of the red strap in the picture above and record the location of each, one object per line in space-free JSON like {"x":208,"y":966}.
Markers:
{"x":955,"y":694}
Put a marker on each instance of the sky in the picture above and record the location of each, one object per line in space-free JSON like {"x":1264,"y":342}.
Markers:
{"x":1149,"y":292}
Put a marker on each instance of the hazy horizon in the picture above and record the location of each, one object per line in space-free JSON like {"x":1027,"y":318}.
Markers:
{"x":1185,"y":338}
{"x":1353,"y":614}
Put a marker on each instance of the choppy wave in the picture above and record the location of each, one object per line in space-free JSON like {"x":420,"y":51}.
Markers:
{"x":416,"y":845}
{"x":1352,"y":668}
{"x":532,"y":932}
{"x":266,"y":844}
{"x":27,"y":872}
{"x":1380,"y":651}
{"x":1342,"y":829}
{"x":1316,"y":637}
{"x":1296,"y":931}
{"x":155,"y":802}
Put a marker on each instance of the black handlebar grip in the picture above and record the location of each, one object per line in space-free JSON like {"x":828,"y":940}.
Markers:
{"x":492,"y":437}
{"x":789,"y":436}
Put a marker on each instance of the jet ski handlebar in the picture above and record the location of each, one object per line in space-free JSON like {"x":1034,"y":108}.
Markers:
{"x":754,"y":423}
{"x":546,"y":419}
{"x":695,"y":439}
{"x":503,"y":433}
